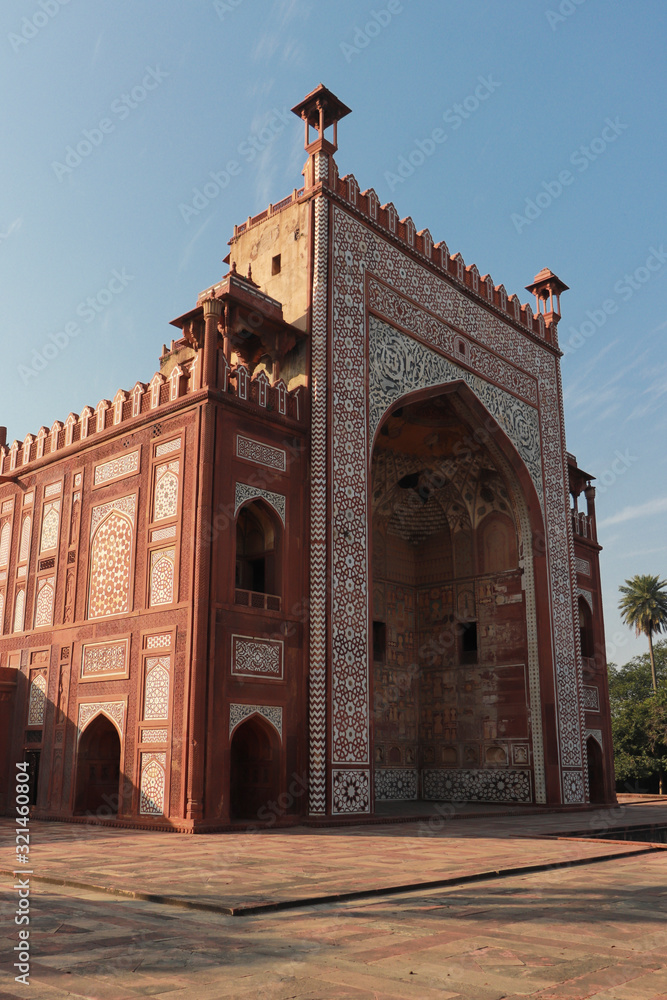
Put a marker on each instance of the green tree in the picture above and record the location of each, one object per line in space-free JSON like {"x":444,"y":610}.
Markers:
{"x":644,"y":608}
{"x":639,"y":717}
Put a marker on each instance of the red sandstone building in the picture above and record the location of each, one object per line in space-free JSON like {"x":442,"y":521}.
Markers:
{"x":326,"y":557}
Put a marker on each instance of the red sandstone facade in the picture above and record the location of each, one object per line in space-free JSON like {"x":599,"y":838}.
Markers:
{"x":326,"y":557}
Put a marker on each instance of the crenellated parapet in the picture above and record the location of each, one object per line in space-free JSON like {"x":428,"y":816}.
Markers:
{"x":256,"y":391}
{"x":421,"y":243}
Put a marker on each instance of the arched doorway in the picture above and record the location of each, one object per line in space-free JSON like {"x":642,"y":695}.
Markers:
{"x":452,"y":578}
{"x":98,"y":769}
{"x":595,"y":771}
{"x":254,"y":768}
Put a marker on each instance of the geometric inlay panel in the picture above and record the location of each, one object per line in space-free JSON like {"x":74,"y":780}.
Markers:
{"x":582,"y":566}
{"x":260,"y":453}
{"x":591,"y":699}
{"x":573,"y":787}
{"x":476,"y":785}
{"x":162,"y":576}
{"x":167,"y":447}
{"x":125,"y":465}
{"x":350,"y":791}
{"x":396,"y":783}
{"x":105,"y":658}
{"x":154,"y":735}
{"x":37,"y":700}
{"x":153,"y":782}
{"x":257,"y":656}
{"x":272,"y":713}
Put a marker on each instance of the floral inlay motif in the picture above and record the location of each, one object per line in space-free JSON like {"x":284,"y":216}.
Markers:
{"x":44,"y":602}
{"x":50,"y":523}
{"x":166,"y":491}
{"x":156,"y":700}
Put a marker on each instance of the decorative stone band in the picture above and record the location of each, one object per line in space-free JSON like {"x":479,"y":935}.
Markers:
{"x":272,"y":714}
{"x":350,"y":791}
{"x":396,"y":783}
{"x":245,"y":492}
{"x":595,"y":733}
{"x":261,"y":453}
{"x":591,"y":698}
{"x":114,"y":710}
{"x":483,"y":785}
{"x":251,"y":656}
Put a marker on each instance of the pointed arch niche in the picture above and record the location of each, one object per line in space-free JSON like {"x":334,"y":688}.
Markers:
{"x":258,"y":567}
{"x":455,"y":669}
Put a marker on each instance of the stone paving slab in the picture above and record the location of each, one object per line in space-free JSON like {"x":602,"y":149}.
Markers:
{"x":597,"y":932}
{"x":268,"y":868}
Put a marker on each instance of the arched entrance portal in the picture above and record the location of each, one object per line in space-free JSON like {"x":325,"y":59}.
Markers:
{"x":98,"y":769}
{"x":254,"y":769}
{"x":595,"y":771}
{"x":452,"y":704}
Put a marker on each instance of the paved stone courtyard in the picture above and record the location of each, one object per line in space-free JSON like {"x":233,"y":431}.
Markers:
{"x":594,"y":927}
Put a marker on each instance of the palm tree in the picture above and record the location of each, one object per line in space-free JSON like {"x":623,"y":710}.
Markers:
{"x":644,"y":606}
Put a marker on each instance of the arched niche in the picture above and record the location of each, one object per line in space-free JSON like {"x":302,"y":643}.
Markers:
{"x":98,"y":769}
{"x":254,"y":775}
{"x":258,"y":549}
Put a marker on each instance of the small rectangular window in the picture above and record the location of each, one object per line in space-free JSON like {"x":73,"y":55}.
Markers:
{"x":379,"y":641}
{"x":275,"y":264}
{"x":468,"y":642}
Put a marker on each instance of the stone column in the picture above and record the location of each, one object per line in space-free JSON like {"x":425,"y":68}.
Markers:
{"x":202,"y":575}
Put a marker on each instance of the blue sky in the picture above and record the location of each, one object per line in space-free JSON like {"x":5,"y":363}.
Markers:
{"x":99,"y":251}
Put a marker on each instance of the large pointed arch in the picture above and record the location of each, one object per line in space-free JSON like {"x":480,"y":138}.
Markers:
{"x":487,"y":432}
